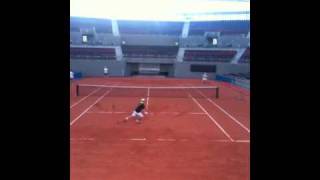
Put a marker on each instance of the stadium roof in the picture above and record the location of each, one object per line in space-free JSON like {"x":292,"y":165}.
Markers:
{"x":162,"y":10}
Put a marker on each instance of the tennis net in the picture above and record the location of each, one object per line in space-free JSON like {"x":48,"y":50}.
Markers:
{"x":143,"y":91}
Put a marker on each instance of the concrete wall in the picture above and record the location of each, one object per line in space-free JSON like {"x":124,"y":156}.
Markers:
{"x":104,"y":38}
{"x":167,"y":68}
{"x":76,"y":37}
{"x":150,"y":60}
{"x":130,"y":67}
{"x":193,"y":41}
{"x":232,"y":68}
{"x":223,"y":41}
{"x":178,"y":69}
{"x":95,"y":67}
{"x":156,"y":40}
{"x":108,"y":39}
{"x":182,"y":69}
{"x":236,"y":41}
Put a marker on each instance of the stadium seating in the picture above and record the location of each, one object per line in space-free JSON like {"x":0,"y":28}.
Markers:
{"x":149,"y":51}
{"x":209,"y":56}
{"x":100,"y":25}
{"x":245,"y":58}
{"x":225,"y":27}
{"x":76,"y":37}
{"x":150,"y":27}
{"x":93,"y":53}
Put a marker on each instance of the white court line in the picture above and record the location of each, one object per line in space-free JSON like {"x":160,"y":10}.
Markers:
{"x":122,"y":112}
{"x":230,"y":116}
{"x":72,"y":122}
{"x":106,"y":112}
{"x":161,"y":139}
{"x":151,"y":87}
{"x":186,"y":140}
{"x":242,"y":141}
{"x":200,"y":113}
{"x":235,"y":141}
{"x":148,"y":98}
{"x":137,"y":139}
{"x":84,"y":98}
{"x":165,"y":113}
{"x":220,"y":140}
{"x":212,"y":119}
{"x":82,"y":139}
{"x":177,"y":113}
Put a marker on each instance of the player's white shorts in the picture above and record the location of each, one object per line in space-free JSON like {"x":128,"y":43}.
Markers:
{"x":204,"y":79}
{"x":134,"y":113}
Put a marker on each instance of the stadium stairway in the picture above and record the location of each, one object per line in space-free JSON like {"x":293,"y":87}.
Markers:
{"x":237,"y":57}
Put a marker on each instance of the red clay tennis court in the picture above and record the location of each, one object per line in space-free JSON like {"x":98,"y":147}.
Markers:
{"x":187,"y":134}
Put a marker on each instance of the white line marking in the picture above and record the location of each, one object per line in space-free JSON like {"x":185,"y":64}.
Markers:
{"x":199,"y":113}
{"x":179,"y":112}
{"x":233,"y":118}
{"x":235,"y":141}
{"x":212,"y":119}
{"x":186,"y":140}
{"x":242,"y":141}
{"x":166,"y":112}
{"x":86,"y":110}
{"x":148,"y":98}
{"x":160,"y":139}
{"x":137,"y":139}
{"x":220,"y":140}
{"x":152,"y":113}
{"x":84,"y":98}
{"x":106,"y":112}
{"x":183,"y":140}
{"x":151,"y":87}
{"x":82,"y":139}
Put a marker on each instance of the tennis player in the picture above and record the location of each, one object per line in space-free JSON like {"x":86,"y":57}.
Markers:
{"x":71,"y":75}
{"x":105,"y":71}
{"x":204,"y":78}
{"x":137,"y":113}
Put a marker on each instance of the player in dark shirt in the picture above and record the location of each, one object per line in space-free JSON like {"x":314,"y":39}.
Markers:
{"x":137,"y":113}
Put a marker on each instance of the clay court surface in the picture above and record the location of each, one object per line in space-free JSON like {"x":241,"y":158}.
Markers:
{"x":182,"y":138}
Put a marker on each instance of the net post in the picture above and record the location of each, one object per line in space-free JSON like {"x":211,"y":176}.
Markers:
{"x":217,"y":92}
{"x":77,"y":90}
